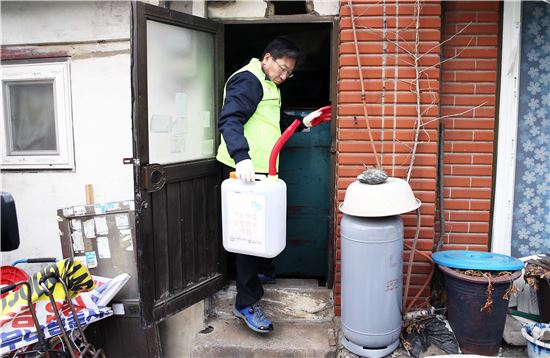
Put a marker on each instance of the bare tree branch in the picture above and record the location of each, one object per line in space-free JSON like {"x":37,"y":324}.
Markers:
{"x":456,"y":114}
{"x":449,"y":39}
{"x":450,"y":58}
{"x":363,"y":93}
{"x":418,"y":114}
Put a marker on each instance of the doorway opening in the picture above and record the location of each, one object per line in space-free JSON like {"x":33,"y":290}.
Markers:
{"x":305,"y":161}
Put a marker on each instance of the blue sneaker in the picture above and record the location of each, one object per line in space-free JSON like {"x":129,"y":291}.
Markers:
{"x":266,"y":279}
{"x":254,"y":318}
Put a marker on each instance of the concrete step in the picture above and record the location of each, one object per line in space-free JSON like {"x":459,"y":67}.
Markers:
{"x":231,"y":338}
{"x":289,"y":300}
{"x":302,"y":317}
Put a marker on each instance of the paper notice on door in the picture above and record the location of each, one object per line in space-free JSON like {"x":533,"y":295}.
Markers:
{"x":82,"y":260}
{"x":89,"y":229}
{"x":180,"y":126}
{"x":118,"y":308}
{"x":207,"y":133}
{"x":206,"y":119}
{"x":79,"y":210}
{"x":161,"y":123}
{"x":122,"y":221}
{"x":76,"y":224}
{"x":103,"y":249}
{"x":177,"y":144}
{"x":112,"y":206}
{"x":99,"y":209}
{"x":126,"y":240}
{"x":246,"y":229}
{"x":180,"y":103}
{"x":78,"y":242}
{"x":208,"y":147}
{"x":68,"y":212}
{"x":91,"y":259}
{"x":101,"y":225}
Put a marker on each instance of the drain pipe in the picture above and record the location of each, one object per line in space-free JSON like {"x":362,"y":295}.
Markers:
{"x":441,"y":187}
{"x":439,"y":244}
{"x":411,"y":259}
{"x":278,"y":146}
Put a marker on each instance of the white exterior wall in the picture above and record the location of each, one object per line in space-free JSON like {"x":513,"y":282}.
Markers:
{"x":102,"y":130}
{"x":30,"y":22}
{"x":101,"y":114}
{"x":326,"y":7}
{"x":237,"y":9}
{"x":257,"y":8}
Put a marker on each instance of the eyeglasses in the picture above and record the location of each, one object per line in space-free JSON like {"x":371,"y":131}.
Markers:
{"x":284,"y":69}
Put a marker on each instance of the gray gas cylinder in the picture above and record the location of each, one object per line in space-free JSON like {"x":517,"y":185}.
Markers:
{"x":372,"y":264}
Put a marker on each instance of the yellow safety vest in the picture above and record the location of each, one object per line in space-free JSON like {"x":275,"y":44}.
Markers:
{"x":262,"y":129}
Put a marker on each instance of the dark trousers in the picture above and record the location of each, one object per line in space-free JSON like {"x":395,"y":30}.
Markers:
{"x":247,"y":268}
{"x":249,"y":288}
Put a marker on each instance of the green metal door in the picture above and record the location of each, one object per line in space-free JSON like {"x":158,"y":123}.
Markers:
{"x":305,"y":168}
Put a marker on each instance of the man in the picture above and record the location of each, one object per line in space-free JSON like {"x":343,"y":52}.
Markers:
{"x":250,"y":122}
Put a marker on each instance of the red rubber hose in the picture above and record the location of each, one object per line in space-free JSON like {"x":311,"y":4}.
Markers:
{"x":279,"y":145}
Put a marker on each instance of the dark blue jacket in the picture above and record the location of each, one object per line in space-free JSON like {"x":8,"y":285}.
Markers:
{"x":242,"y":94}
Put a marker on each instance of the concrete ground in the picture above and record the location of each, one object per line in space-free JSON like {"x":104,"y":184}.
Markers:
{"x":506,"y":350}
{"x":305,"y":327}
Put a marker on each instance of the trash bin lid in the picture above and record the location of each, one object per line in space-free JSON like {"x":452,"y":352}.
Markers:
{"x":477,"y":260}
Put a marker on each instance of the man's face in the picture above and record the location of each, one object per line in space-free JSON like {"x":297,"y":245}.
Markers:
{"x":278,"y":70}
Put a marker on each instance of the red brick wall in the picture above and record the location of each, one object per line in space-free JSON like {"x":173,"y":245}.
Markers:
{"x":468,"y":81}
{"x":459,"y":86}
{"x":354,"y":149}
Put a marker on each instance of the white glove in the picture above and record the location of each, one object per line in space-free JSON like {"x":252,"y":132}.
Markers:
{"x":245,"y":170}
{"x":307,"y":119}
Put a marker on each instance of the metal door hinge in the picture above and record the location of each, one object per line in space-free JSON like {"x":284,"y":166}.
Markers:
{"x":133,"y":161}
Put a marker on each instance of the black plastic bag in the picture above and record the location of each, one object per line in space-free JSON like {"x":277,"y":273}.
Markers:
{"x":420,"y":333}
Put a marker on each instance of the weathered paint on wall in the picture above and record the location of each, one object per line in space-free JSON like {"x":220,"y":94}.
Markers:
{"x":257,"y":8}
{"x":101,"y":111}
{"x":176,"y":341}
{"x":326,"y":7}
{"x":29,"y":22}
{"x":102,"y":128}
{"x":237,"y":9}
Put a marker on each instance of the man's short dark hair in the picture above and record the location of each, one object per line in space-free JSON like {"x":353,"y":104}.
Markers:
{"x":282,"y":47}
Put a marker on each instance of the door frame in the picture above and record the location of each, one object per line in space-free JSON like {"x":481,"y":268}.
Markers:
{"x":503,"y":206}
{"x":334,"y":37}
{"x":152,"y":312}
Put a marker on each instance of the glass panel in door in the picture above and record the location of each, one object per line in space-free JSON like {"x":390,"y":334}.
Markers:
{"x":181,"y":97}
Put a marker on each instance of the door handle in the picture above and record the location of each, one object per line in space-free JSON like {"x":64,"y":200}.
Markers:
{"x":154,"y":177}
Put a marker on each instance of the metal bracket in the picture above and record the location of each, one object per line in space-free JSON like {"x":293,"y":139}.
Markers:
{"x":154,"y":177}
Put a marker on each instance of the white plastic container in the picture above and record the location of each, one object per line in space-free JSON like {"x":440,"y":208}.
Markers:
{"x":254,"y":216}
{"x":536,"y":348}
